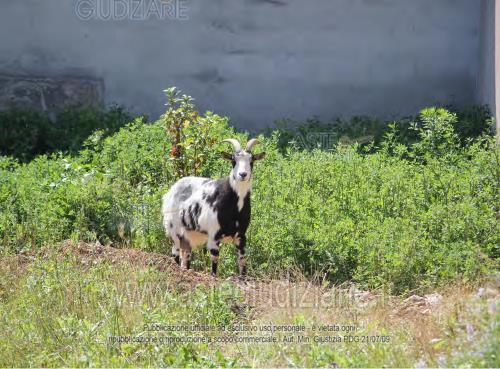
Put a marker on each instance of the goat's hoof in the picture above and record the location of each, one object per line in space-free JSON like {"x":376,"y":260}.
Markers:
{"x":242,"y":278}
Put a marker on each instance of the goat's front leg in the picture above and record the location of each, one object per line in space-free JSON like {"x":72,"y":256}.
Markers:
{"x":176,"y":253}
{"x":213,"y":248}
{"x":241,"y":244}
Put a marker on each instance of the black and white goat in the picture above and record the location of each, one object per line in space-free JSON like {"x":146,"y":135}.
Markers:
{"x":198,"y":210}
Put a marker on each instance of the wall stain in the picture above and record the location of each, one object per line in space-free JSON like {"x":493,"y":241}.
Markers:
{"x":270,"y":2}
{"x":209,"y":75}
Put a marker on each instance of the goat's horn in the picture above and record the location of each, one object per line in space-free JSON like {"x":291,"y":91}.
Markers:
{"x":250,"y":144}
{"x":234,"y":142}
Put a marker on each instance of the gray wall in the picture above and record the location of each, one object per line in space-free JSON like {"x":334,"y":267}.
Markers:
{"x":260,"y":60}
{"x":486,"y":75}
{"x":497,"y":65}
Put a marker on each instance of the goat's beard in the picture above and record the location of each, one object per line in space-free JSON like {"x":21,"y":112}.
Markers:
{"x":239,"y":185}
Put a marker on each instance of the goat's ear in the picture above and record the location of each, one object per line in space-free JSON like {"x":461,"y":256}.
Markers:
{"x":227,"y":156}
{"x":259,"y":156}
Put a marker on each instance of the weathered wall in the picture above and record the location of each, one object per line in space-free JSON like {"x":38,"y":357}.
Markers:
{"x":486,"y":74}
{"x":497,"y":64}
{"x":259,"y":60}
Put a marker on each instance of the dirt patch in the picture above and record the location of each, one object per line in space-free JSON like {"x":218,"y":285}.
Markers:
{"x":91,"y":254}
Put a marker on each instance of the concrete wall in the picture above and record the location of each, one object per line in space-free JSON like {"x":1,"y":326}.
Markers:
{"x":497,"y":64}
{"x":486,"y":75}
{"x":259,"y":60}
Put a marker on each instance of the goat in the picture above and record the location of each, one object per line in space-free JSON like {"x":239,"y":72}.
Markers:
{"x":203,"y":210}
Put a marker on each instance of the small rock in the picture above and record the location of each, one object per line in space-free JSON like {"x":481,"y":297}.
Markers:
{"x":415,"y":299}
{"x":470,"y":330}
{"x":485,"y":292}
{"x":420,"y":364}
{"x":434,"y":299}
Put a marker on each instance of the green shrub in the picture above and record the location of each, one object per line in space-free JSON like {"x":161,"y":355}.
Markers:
{"x":193,"y":137}
{"x":473,"y":122}
{"x":315,"y":134}
{"x":110,"y":192}
{"x":27,"y":133}
{"x":24,"y":133}
{"x":468,"y":124}
{"x":437,"y":135}
{"x":406,"y":216}
{"x":375,"y":219}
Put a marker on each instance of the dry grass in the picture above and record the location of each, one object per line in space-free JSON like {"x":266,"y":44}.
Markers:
{"x":426,"y":322}
{"x":424,"y":328}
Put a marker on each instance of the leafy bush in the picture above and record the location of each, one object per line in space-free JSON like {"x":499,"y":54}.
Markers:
{"x":375,"y":219}
{"x":24,"y":133}
{"x":406,"y":216}
{"x":192,"y":136}
{"x":473,"y":122}
{"x":315,"y":134}
{"x":370,"y":134}
{"x":27,"y":133}
{"x":110,"y":192}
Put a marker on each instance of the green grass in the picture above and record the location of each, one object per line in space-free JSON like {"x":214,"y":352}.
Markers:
{"x":61,"y":313}
{"x":60,"y":310}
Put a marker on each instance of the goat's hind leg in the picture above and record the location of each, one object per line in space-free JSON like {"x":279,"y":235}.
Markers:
{"x":213,"y":247}
{"x":185,"y":251}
